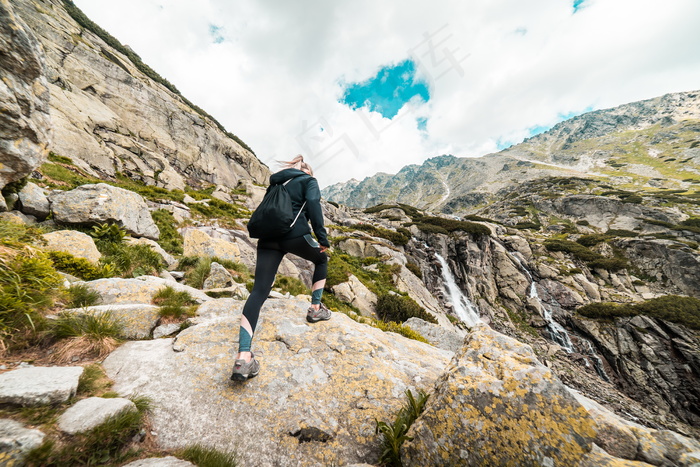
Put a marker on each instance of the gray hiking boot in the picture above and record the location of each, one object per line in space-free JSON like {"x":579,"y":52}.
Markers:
{"x":322,"y":314}
{"x":243,"y":371}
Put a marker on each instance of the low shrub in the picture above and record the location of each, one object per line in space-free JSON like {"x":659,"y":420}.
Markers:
{"x":398,"y":308}
{"x":398,"y":328}
{"x":576,"y":249}
{"x":131,"y":260}
{"x":80,"y":267}
{"x":615,"y":263}
{"x":452,"y":225}
{"x":592,"y":239}
{"x":415,"y":269}
{"x":583,"y":222}
{"x":395,"y":434}
{"x":673,"y":308}
{"x":528,"y":225}
{"x":395,"y":237}
{"x":621,"y":233}
{"x":431,"y":228}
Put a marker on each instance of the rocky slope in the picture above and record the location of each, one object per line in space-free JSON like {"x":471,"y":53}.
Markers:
{"x":643,"y":145}
{"x":109,"y":116}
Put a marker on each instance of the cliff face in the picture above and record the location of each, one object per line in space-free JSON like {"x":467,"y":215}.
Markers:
{"x":650,"y":144}
{"x":110,"y":117}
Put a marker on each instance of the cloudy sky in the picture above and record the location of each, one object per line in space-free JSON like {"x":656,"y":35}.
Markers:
{"x":362,"y":86}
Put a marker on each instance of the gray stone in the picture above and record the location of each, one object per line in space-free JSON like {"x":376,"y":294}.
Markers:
{"x":437,"y":335}
{"x":138,"y":290}
{"x":168,"y":461}
{"x":33,"y":201}
{"x":102,"y":203}
{"x":16,"y":216}
{"x":218,"y":277}
{"x":88,"y":413}
{"x":165,"y":330}
{"x":76,"y":243}
{"x":39,"y":385}
{"x":355,"y":374}
{"x":16,"y":441}
{"x":137,"y":319}
{"x":25,"y":127}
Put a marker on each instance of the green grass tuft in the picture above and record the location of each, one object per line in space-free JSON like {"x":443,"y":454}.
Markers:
{"x":80,"y":295}
{"x":203,"y":456}
{"x":170,"y":239}
{"x":174,"y":303}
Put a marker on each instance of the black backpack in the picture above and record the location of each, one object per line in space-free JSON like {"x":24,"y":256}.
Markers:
{"x":274,"y":217}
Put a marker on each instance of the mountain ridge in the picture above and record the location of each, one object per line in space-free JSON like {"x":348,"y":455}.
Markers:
{"x":603,"y":144}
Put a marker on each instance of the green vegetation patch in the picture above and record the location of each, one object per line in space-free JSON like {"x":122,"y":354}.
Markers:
{"x":80,"y":267}
{"x":393,"y":435}
{"x":395,"y":237}
{"x":291,"y":285}
{"x":398,"y":308}
{"x":452,"y":225}
{"x":170,"y":239}
{"x":673,"y":308}
{"x":591,"y":258}
{"x":173,"y":303}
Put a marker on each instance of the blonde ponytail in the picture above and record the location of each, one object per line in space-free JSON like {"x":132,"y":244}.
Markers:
{"x":297,"y":163}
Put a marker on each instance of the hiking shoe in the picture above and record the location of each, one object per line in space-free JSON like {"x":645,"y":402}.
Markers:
{"x":243,"y":370}
{"x":322,"y":314}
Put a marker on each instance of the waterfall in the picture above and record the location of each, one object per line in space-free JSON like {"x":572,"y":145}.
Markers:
{"x":465,"y":310}
{"x":556,"y":332}
{"x":597,"y":361}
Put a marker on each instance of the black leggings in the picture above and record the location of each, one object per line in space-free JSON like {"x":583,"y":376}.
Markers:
{"x":270,"y":254}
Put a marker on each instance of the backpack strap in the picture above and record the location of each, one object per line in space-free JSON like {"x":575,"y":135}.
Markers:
{"x":302,"y":206}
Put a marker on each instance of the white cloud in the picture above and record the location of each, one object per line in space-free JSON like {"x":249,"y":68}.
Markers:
{"x":522,"y":65}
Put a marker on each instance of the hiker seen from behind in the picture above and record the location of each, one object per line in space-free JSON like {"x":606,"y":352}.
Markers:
{"x":281,"y":223}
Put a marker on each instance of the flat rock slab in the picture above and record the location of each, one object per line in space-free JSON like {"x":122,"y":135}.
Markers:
{"x":39,"y":385}
{"x":169,"y":461}
{"x":88,"y":413}
{"x":166,"y":330}
{"x":138,"y":319}
{"x":16,"y":441}
{"x":138,"y":290}
{"x":323,"y":384}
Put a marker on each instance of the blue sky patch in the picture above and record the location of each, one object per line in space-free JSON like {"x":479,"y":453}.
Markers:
{"x":388,"y":91}
{"x":578,"y":4}
{"x":422,"y":123}
{"x":216,"y":33}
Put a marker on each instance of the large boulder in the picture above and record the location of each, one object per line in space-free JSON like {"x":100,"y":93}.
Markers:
{"x":199,"y":243}
{"x":25,"y":125}
{"x":102,"y":203}
{"x":76,"y":243}
{"x":320,"y":389}
{"x":218,"y":277}
{"x":497,"y":405}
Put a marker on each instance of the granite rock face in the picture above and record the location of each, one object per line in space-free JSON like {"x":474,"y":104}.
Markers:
{"x":110,"y":117}
{"x":102,"y":203}
{"x":199,"y":243}
{"x":33,"y":201}
{"x":354,"y":373}
{"x":138,"y":290}
{"x":25,"y":124}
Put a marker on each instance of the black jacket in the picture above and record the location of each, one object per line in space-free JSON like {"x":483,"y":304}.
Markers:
{"x":303,"y":187}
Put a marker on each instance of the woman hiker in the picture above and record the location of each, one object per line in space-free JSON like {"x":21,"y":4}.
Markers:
{"x":306,"y":197}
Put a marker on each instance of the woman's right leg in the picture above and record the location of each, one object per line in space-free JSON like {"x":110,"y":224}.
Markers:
{"x":267,"y":262}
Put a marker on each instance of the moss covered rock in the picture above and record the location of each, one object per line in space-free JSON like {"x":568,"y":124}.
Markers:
{"x":497,"y":405}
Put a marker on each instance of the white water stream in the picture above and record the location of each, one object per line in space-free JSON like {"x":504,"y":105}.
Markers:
{"x":556,"y":331}
{"x":464,"y":308}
